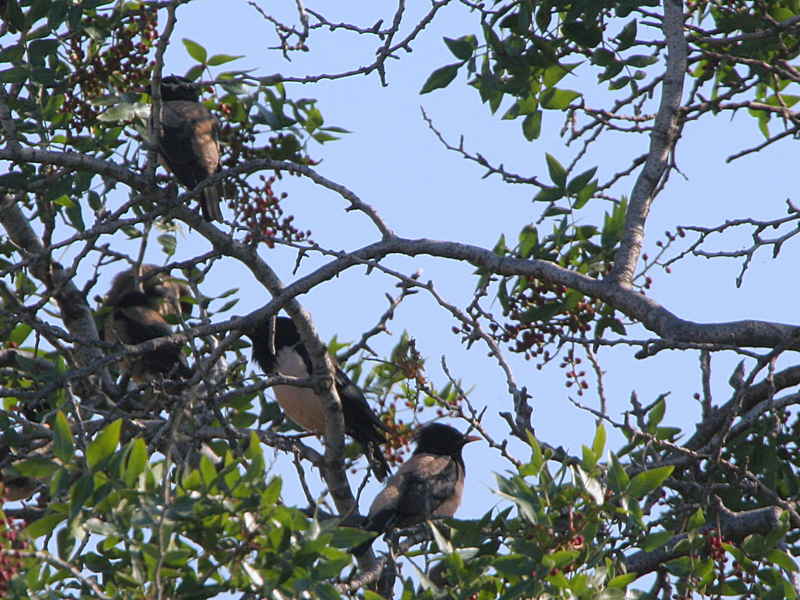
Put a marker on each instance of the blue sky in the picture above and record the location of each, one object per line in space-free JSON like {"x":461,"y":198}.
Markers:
{"x":394,"y":162}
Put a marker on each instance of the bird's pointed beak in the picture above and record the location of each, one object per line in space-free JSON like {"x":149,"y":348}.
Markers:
{"x":471,"y":438}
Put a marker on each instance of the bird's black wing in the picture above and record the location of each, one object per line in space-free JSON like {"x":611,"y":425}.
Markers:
{"x":137,"y":324}
{"x":362,"y":423}
{"x":188,"y":141}
{"x":358,"y":411}
{"x":427,"y":489}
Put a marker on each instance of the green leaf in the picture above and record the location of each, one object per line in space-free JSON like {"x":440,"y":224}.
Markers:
{"x":440,"y":78}
{"x":314,"y":120}
{"x":12,"y":53}
{"x":14,"y":16}
{"x":559,"y":559}
{"x":697,"y":520}
{"x":589,"y":459}
{"x":584,"y":195}
{"x":75,"y":216}
{"x":136,"y":461}
{"x":14,"y":75}
{"x":656,"y":414}
{"x":348,"y":537}
{"x":549,"y":195}
{"x":555,"y":73}
{"x":81,"y":491}
{"x":541,"y":313}
{"x":602,"y":57}
{"x":513,"y":565}
{"x":680,"y":567}
{"x":463,"y":47}
{"x":646,"y":482}
{"x":20,"y":333}
{"x":270,"y":495}
{"x":578,"y":182}
{"x":599,"y":443}
{"x":63,"y":444}
{"x":168,"y":243}
{"x":783,"y":560}
{"x":627,"y":36}
{"x":528,"y":241}
{"x":621,"y":581}
{"x":37,"y":467}
{"x":221,"y":59}
{"x":44,"y":526}
{"x":619,"y":83}
{"x":556,"y":99}
{"x":104,"y":444}
{"x":442,"y":542}
{"x":532,"y":125}
{"x":641,"y":60}
{"x":195,"y":50}
{"x":537,"y":458}
{"x":755,"y":546}
{"x":656,"y":540}
{"x":558,"y":174}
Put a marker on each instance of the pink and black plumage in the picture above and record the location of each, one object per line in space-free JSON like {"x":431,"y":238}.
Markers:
{"x":302,"y":405}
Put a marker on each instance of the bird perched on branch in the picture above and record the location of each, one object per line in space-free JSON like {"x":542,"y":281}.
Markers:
{"x":428,"y":485}
{"x":283,"y":352}
{"x":188,"y":144}
{"x":137,"y":307}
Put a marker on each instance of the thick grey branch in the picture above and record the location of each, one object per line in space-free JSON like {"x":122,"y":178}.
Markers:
{"x":641,"y":308}
{"x":75,"y":312}
{"x":77,"y":161}
{"x":663,"y":138}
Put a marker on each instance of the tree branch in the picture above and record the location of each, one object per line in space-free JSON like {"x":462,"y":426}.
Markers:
{"x":732,"y":525}
{"x":663,"y":138}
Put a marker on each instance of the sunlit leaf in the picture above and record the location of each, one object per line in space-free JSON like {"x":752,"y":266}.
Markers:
{"x":440,"y":78}
{"x":195,"y":50}
{"x":647,"y":481}
{"x":104,"y":444}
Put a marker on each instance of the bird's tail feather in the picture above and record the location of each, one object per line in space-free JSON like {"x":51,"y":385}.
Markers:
{"x":364,"y":546}
{"x":379,"y":523}
{"x":210,"y":203}
{"x":377,"y":461}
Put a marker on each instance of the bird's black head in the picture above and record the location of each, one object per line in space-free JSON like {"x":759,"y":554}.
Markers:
{"x":264,"y":348}
{"x":438,"y":438}
{"x":175,"y":87}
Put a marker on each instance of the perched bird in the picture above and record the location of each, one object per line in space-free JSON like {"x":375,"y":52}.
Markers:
{"x":170,"y":297}
{"x":188,"y":144}
{"x":137,"y":307}
{"x":284,"y":353}
{"x":428,"y":485}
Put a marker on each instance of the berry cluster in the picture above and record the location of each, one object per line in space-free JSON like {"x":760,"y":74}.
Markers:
{"x":261,"y":212}
{"x":715,"y":549}
{"x":99,"y":69}
{"x":542,"y":313}
{"x":10,"y":562}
